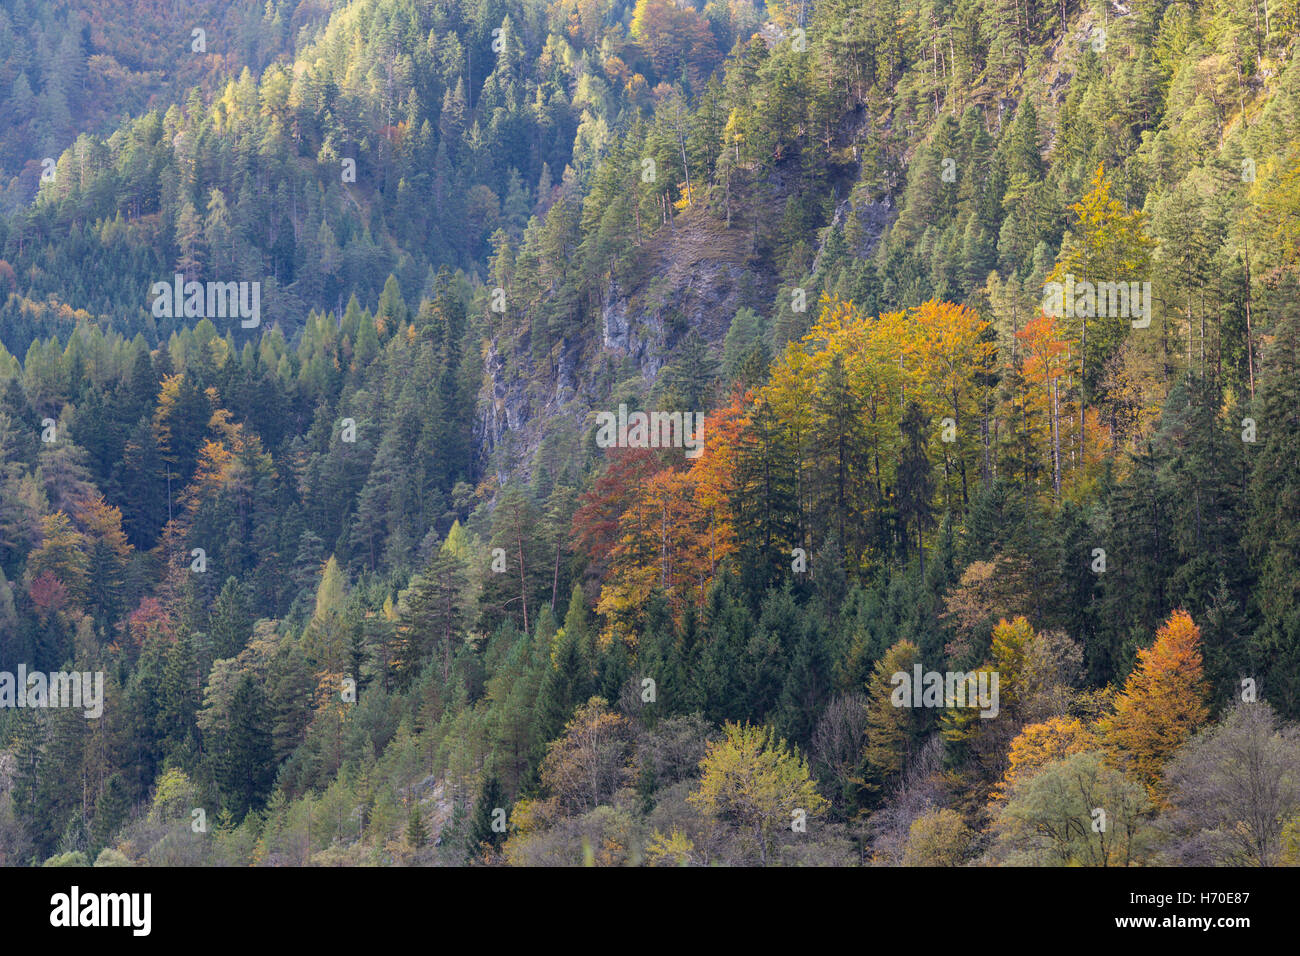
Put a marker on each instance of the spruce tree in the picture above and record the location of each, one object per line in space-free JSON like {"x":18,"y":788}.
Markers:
{"x":482,"y":835}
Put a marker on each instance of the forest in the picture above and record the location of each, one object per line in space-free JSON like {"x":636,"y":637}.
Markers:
{"x":364,"y":582}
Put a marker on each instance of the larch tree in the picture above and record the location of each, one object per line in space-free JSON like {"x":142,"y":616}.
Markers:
{"x":893,"y":733}
{"x":1163,"y":703}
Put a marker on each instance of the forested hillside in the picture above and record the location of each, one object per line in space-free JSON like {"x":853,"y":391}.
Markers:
{"x":74,"y":66}
{"x":988,"y":315}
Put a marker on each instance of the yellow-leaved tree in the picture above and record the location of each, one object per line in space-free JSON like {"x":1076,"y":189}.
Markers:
{"x":1105,"y":244}
{"x":894,"y":733}
{"x":754,"y":780}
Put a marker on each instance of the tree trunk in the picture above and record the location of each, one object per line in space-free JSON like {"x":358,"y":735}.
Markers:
{"x":1056,"y":441}
{"x":1250,"y":346}
{"x":523,"y":587}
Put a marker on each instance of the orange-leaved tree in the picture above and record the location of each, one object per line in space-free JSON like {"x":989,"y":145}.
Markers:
{"x":1163,"y":703}
{"x":1038,"y":745}
{"x":676,"y":531}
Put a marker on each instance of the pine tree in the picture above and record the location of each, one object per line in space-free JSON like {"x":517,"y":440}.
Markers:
{"x":915,"y":482}
{"x":178,"y":702}
{"x":230,"y":625}
{"x":1273,"y":531}
{"x":483,"y":836}
{"x":433,"y":612}
{"x":416,"y":835}
{"x":244,"y":763}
